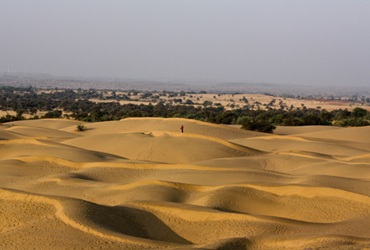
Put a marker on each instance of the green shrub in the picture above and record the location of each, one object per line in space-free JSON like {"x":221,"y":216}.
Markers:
{"x":260,"y":125}
{"x":81,"y":127}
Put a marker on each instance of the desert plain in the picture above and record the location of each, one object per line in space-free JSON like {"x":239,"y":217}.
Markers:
{"x":139,"y":183}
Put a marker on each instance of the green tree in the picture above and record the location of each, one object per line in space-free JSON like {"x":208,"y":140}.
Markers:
{"x":260,"y":125}
{"x":359,"y":112}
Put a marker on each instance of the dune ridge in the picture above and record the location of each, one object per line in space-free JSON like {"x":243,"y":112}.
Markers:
{"x":140,"y":183}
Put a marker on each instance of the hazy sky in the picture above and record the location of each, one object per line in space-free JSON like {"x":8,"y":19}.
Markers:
{"x":314,"y":42}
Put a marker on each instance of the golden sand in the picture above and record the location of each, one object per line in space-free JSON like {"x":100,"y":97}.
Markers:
{"x":140,"y":183}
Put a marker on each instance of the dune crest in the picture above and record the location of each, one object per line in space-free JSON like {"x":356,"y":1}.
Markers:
{"x":140,"y":183}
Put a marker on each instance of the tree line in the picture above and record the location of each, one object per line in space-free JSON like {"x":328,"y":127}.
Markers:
{"x":77,"y":105}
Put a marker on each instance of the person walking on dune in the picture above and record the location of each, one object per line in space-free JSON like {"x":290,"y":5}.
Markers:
{"x":182,"y":128}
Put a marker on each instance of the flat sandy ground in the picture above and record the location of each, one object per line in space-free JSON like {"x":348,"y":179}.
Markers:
{"x":141,"y":183}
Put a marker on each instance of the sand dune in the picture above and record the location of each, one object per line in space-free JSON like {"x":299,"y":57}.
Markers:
{"x":156,"y":146}
{"x":6,"y":135}
{"x":41,"y":133}
{"x":146,"y":125}
{"x":142,"y":184}
{"x":44,"y":123}
{"x":295,"y":143}
{"x":352,"y":134}
{"x":293,"y":130}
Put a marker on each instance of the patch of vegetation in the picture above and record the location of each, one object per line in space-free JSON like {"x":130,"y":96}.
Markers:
{"x":81,"y":127}
{"x":77,"y":104}
{"x":53,"y":114}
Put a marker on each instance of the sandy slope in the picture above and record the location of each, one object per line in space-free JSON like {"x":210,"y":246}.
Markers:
{"x":141,"y":183}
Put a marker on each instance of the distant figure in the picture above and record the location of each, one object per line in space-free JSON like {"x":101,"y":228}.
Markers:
{"x":182,"y":128}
